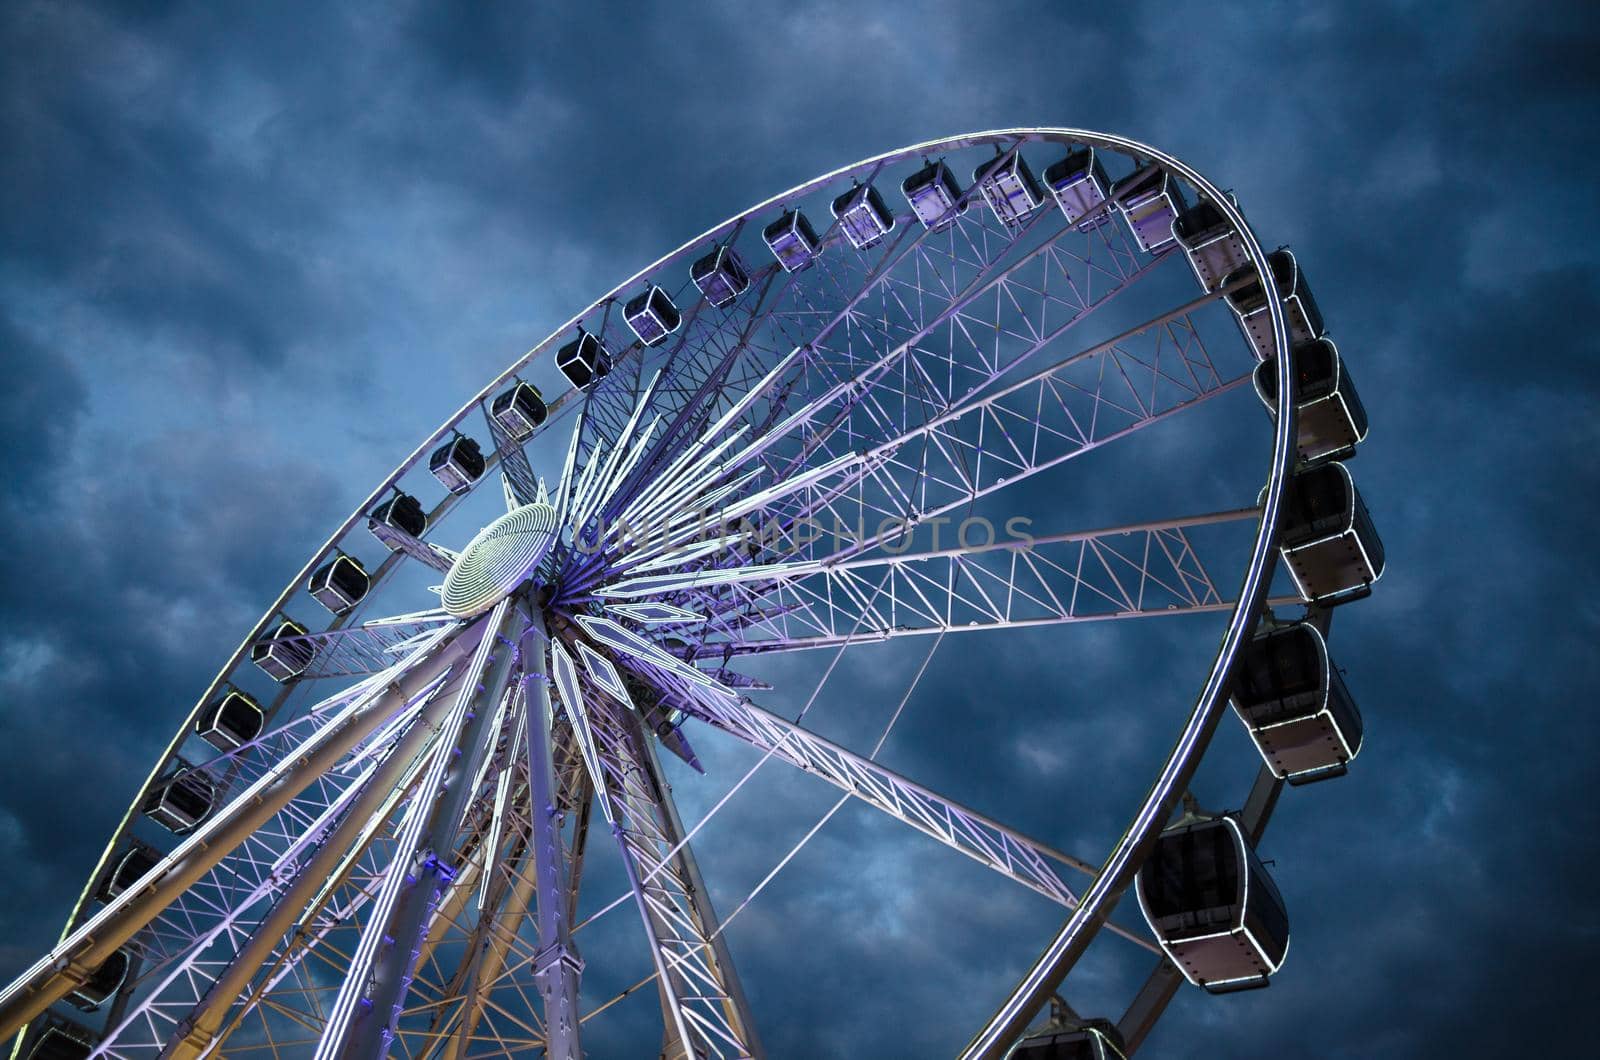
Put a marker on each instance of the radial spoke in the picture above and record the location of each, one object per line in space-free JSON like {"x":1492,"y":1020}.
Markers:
{"x":246,"y":816}
{"x":705,"y":1005}
{"x":1137,"y":570}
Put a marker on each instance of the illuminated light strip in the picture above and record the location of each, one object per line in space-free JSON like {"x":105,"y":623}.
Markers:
{"x":566,"y":675}
{"x":613,"y":635}
{"x":654,"y":613}
{"x":332,"y":1043}
{"x":690,"y":467}
{"x":564,"y":486}
{"x":602,"y":673}
{"x":619,"y":445}
{"x":501,"y":790}
{"x":633,"y":588}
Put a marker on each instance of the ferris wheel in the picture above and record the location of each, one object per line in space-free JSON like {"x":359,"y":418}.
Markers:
{"x":368,"y":836}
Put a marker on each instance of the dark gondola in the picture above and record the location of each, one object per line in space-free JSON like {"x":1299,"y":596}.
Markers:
{"x":792,"y":240}
{"x":583,"y":360}
{"x":339,"y":584}
{"x":720,"y":276}
{"x":457,"y":464}
{"x":1008,"y":186}
{"x":1249,"y":303}
{"x":862,"y":216}
{"x":1328,"y":541}
{"x":1214,"y":246}
{"x":934,"y":195}
{"x":1079,"y":186}
{"x":1094,"y":1040}
{"x":128,"y":869}
{"x":279,"y":655}
{"x":1294,"y":702}
{"x":1150,"y":201}
{"x":403,"y":512}
{"x":652,"y":316}
{"x":1329,"y":417}
{"x":230,"y":721}
{"x":1213,"y":907}
{"x":102,"y":984}
{"x":63,"y":1042}
{"x":520,"y":410}
{"x":182,"y":801}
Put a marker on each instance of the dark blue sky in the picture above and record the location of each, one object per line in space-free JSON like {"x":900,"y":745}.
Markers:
{"x":247,"y":260}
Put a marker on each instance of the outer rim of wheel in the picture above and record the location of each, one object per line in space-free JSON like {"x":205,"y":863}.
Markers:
{"x":1122,"y":863}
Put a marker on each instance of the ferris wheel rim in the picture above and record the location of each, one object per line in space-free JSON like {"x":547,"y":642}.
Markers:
{"x":1247,"y":603}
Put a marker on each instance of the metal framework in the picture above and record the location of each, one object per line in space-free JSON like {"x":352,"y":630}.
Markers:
{"x":394,"y":867}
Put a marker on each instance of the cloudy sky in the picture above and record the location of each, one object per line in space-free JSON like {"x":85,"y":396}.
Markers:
{"x":248,"y":259}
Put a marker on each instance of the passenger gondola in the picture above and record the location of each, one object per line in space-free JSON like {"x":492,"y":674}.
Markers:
{"x":1213,"y":907}
{"x":1150,"y":201}
{"x":520,"y":410}
{"x":792,"y":240}
{"x":1214,"y":246}
{"x":63,"y":1041}
{"x":457,"y":464}
{"x":280,"y":655}
{"x":1093,"y":1040}
{"x":403,"y":512}
{"x":1327,"y":540}
{"x":128,"y":869}
{"x":1329,"y":417}
{"x":1294,"y":702}
{"x":1079,"y":186}
{"x":652,"y":316}
{"x":720,"y":276}
{"x":1009,"y":187}
{"x":339,"y":584}
{"x":230,"y":721}
{"x":862,"y":216}
{"x":583,"y":360}
{"x":1249,"y":303}
{"x":934,"y":195}
{"x":102,"y":984}
{"x":182,"y":801}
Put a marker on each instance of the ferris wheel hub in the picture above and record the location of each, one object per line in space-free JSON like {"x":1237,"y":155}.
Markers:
{"x":499,"y":559}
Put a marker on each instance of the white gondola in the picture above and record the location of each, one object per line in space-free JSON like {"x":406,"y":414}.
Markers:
{"x":934,"y":195}
{"x":102,"y":984}
{"x":230,"y":721}
{"x":1094,"y":1040}
{"x":1008,"y":186}
{"x":1328,"y":541}
{"x":652,"y":316}
{"x":720,"y":276}
{"x":339,"y":584}
{"x":1249,"y":303}
{"x":862,"y":216}
{"x":128,"y":869}
{"x":280,"y":655}
{"x":63,"y":1040}
{"x":182,"y":801}
{"x":519,"y":411}
{"x":1329,"y":417}
{"x":457,"y":464}
{"x":1150,"y":201}
{"x":1213,"y":907}
{"x":583,"y":360}
{"x":1214,"y":246}
{"x":1079,"y":186}
{"x":1294,"y":702}
{"x":402,"y":512}
{"x":792,"y":241}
